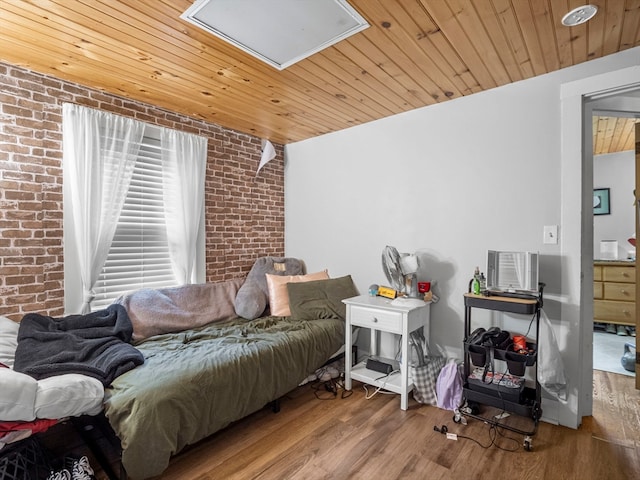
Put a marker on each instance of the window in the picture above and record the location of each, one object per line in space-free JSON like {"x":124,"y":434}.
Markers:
{"x":139,"y":253}
{"x":133,"y":207}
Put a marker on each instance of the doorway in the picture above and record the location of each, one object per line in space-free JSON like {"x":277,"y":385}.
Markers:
{"x":614,"y":173}
{"x":615,"y":176}
{"x":576,"y":235}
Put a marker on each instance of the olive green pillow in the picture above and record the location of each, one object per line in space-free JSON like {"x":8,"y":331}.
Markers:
{"x":320,"y":298}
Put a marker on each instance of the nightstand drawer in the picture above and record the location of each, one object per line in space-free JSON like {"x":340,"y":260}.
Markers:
{"x":378,"y":319}
{"x":620,"y":291}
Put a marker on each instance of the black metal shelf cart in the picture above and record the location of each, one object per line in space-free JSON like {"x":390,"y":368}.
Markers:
{"x":524,"y":401}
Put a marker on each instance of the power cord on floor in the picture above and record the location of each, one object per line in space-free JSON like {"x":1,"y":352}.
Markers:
{"x":328,"y":389}
{"x":494,"y":431}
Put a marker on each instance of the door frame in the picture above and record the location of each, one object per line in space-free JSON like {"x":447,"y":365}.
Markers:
{"x":637,"y":209}
{"x":576,"y":237}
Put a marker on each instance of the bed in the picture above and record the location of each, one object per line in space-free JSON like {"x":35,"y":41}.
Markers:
{"x":199,"y":378}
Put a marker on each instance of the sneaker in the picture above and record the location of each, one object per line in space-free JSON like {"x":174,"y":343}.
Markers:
{"x":631,"y":331}
{"x":611,"y":328}
{"x":622,"y":331}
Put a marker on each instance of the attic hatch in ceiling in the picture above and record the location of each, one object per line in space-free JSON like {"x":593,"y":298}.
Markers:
{"x":278,"y":32}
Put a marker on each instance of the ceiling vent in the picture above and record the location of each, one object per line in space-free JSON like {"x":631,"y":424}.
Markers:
{"x":278,"y":32}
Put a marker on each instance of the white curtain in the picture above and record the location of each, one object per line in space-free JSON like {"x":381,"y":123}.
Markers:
{"x":184,"y":159}
{"x":99,"y":154}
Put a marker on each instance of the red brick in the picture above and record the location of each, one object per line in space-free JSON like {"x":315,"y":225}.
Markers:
{"x":238,"y":207}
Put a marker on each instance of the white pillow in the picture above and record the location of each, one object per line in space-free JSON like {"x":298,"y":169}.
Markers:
{"x":8,"y":340}
{"x":68,"y":395}
{"x":17,"y":396}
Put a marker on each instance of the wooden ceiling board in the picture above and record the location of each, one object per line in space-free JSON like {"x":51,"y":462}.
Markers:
{"x":410,"y":37}
{"x":630,"y":34}
{"x":450,"y":26}
{"x":612,"y":29}
{"x":87,"y":53}
{"x":613,"y":134}
{"x":416,"y":53}
{"x":500,"y":38}
{"x":434,"y":41}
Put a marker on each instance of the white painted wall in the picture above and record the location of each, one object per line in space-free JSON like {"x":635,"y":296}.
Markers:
{"x":449,"y":181}
{"x":615,"y":171}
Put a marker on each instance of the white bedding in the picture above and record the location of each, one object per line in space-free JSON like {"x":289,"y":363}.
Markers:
{"x":23,"y":398}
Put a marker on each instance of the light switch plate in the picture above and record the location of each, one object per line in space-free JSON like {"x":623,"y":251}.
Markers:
{"x":550,"y":234}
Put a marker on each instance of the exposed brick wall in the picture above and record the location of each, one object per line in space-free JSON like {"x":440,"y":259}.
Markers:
{"x":244,"y":214}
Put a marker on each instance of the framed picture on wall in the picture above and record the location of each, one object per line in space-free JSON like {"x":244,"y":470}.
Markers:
{"x":601,"y":205}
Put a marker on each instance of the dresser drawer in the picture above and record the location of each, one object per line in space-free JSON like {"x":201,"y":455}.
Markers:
{"x":619,"y":274}
{"x":597,"y":273}
{"x":609,"y":310}
{"x":378,"y":319}
{"x":598,"y":290}
{"x":620,"y":291}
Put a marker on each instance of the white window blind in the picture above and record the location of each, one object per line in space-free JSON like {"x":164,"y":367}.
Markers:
{"x":139,"y":254}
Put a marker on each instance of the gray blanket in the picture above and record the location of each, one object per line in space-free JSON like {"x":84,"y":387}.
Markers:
{"x":95,"y":344}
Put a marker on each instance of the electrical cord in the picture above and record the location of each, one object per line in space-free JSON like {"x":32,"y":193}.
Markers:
{"x":533,"y":317}
{"x":380,"y":389}
{"x":499,"y":429}
{"x":494,"y":431}
{"x":495,"y":428}
{"x":328,"y":389}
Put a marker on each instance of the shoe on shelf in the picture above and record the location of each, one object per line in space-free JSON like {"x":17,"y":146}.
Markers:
{"x":610,"y":328}
{"x":622,"y":331}
{"x":631,"y":331}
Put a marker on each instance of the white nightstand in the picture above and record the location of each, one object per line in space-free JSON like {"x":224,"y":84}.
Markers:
{"x":379,"y":315}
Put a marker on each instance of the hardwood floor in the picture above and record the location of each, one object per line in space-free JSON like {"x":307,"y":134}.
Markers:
{"x":356,"y":438}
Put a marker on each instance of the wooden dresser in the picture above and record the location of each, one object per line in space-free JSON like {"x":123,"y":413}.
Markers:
{"x":614,"y":292}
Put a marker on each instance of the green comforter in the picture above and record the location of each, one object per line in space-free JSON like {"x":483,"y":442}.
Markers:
{"x":196,"y":382}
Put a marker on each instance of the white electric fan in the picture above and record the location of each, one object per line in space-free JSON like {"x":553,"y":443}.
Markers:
{"x":392,"y":268}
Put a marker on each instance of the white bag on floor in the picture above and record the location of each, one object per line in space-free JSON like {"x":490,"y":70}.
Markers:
{"x":550,"y":365}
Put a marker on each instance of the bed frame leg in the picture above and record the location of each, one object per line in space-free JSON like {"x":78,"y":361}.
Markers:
{"x":275,"y":405}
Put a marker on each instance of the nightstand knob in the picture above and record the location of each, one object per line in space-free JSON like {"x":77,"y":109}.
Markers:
{"x":375,"y":320}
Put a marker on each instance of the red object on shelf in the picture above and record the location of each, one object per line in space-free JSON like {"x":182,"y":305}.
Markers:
{"x":519,"y":343}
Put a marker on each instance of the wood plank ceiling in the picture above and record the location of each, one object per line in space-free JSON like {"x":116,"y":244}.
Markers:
{"x":613,"y":134}
{"x":416,"y":53}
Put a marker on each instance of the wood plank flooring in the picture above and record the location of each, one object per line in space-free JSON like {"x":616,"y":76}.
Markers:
{"x":356,"y":438}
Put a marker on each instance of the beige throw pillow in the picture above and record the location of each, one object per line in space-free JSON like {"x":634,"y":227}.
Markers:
{"x":278,"y":295}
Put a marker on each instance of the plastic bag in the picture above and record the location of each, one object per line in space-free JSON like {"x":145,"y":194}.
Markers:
{"x":550,"y":365}
{"x":449,"y":387}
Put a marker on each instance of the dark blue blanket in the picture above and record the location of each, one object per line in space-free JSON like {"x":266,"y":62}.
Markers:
{"x":96,"y":344}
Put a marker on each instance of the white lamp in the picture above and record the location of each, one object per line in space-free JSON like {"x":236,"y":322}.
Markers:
{"x":409,"y":267}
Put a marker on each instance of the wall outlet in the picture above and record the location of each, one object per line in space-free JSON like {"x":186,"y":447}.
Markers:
{"x":550,"y":234}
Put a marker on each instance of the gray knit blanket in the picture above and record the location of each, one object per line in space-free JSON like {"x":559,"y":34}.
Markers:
{"x":96,"y":344}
